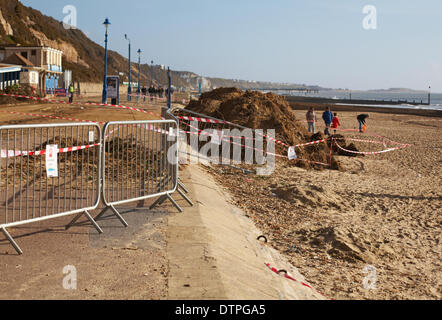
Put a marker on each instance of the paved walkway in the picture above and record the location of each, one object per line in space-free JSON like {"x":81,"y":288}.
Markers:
{"x":213,"y":252}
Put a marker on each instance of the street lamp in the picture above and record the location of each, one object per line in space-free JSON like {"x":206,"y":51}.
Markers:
{"x":169,"y":88}
{"x":429,"y":95}
{"x":139,"y":70}
{"x":104,"y":96}
{"x":129,"y":89}
{"x":151,"y":75}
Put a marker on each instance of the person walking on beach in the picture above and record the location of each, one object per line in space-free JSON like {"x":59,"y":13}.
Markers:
{"x":144,"y":92}
{"x":311,"y":120}
{"x":335,"y":122}
{"x":71,"y":93}
{"x":361,"y":119}
{"x":151,"y":92}
{"x":327,"y":116}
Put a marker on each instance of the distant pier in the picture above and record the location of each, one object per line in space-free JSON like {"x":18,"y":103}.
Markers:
{"x":355,"y":101}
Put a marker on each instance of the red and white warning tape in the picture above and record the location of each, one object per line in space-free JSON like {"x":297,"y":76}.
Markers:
{"x":147,"y":96}
{"x":49,"y":116}
{"x":293,"y":279}
{"x":248,"y":147}
{"x":373,"y":152}
{"x":77,"y":103}
{"x":15,"y":153}
{"x":206,"y":120}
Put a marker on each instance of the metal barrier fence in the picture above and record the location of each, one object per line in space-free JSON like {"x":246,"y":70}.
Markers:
{"x":48,"y":171}
{"x":141,"y":162}
{"x":55,"y":170}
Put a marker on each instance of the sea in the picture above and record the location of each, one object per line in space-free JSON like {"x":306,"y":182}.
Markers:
{"x":436,"y":98}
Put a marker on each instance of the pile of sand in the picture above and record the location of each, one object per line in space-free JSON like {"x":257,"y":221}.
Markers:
{"x":337,"y":242}
{"x":309,"y":195}
{"x":257,"y":110}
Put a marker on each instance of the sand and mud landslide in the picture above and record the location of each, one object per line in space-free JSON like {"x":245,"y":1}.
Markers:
{"x":257,"y":110}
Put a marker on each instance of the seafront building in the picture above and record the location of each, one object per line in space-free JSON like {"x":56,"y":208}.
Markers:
{"x":41,"y":66}
{"x":9,"y":75}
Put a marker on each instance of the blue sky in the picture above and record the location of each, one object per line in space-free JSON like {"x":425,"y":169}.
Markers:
{"x":317,"y":42}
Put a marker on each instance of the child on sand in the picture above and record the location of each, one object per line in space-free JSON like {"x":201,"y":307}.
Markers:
{"x":335,"y":122}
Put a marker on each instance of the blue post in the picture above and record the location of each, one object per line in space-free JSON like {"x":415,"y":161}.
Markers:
{"x":158,"y":76}
{"x":129,"y":89}
{"x":151,"y":75}
{"x":104,"y":96}
{"x":169,"y":96}
{"x":147,"y":77}
{"x":139,"y":71}
{"x":200,"y":85}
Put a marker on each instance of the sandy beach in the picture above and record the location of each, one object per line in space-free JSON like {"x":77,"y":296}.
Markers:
{"x":379,"y":210}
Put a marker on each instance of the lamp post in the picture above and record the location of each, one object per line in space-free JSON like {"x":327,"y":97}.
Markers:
{"x":429,"y":95}
{"x":104,"y":96}
{"x":151,"y":75}
{"x":129,"y":89}
{"x":159,"y":75}
{"x":169,"y":94}
{"x":147,"y":76}
{"x":139,"y":70}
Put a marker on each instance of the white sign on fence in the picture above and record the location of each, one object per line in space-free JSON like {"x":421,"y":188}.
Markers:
{"x":51,"y":160}
{"x":292,"y":153}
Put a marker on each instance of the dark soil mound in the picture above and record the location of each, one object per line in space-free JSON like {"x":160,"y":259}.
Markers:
{"x":23,"y":90}
{"x":341,"y":140}
{"x":257,"y":110}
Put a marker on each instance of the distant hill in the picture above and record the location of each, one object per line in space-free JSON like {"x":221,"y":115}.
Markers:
{"x":21,"y":25}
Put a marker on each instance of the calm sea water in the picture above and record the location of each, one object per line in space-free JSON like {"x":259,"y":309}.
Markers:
{"x":436,"y":98}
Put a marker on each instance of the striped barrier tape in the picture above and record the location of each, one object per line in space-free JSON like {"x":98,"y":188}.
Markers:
{"x":77,"y":103}
{"x":14,"y":153}
{"x":80,"y":120}
{"x":201,"y":132}
{"x":50,"y":116}
{"x":206,"y":120}
{"x":373,"y":152}
{"x":375,"y":135}
{"x":293,"y":279}
{"x":146,"y":96}
{"x":277,"y":155}
{"x":269,"y":153}
{"x":310,"y":161}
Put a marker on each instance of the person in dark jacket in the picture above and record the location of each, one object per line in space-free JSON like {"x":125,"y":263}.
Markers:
{"x":361,"y":119}
{"x":144,"y":92}
{"x":151,"y":92}
{"x":327,"y":116}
